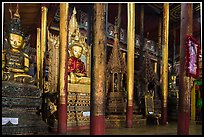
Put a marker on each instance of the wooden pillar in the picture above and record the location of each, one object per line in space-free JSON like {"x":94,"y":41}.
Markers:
{"x":38,"y":57}
{"x":63,"y":77}
{"x":142,"y":75}
{"x":165,"y":63}
{"x":130,"y":62}
{"x":159,"y":48}
{"x":43,"y":46}
{"x":184,"y":88}
{"x":98,"y":75}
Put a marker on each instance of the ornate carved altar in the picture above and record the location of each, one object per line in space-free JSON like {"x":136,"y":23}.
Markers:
{"x":21,"y":100}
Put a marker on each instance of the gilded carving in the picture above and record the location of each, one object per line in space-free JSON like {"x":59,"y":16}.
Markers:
{"x":78,"y":50}
{"x":53,"y":61}
{"x":15,"y":53}
{"x":116,"y":69}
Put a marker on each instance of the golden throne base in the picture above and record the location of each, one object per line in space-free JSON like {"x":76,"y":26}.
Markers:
{"x":78,"y":103}
{"x":78,"y":88}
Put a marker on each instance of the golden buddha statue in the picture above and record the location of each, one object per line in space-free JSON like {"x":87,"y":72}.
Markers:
{"x":15,"y":58}
{"x":76,"y":67}
{"x":77,"y":73}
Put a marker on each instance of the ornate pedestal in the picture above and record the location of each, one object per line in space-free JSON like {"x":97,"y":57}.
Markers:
{"x":78,"y":106}
{"x":20,"y":104}
{"x":115,"y":103}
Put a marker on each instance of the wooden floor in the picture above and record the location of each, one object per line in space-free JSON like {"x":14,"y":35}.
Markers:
{"x":170,"y":129}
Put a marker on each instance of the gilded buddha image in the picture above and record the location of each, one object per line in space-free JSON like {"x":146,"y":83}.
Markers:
{"x":15,"y":53}
{"x":77,"y":72}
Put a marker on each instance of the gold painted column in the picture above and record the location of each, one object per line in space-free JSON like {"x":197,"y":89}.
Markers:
{"x":98,"y":75}
{"x":165,"y":63}
{"x":43,"y":42}
{"x":38,"y":57}
{"x":63,"y":77}
{"x":130,"y":62}
{"x":184,"y":87}
{"x":43,"y":46}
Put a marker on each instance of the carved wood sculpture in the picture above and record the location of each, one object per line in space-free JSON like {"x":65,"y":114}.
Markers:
{"x":53,"y":61}
{"x":116,"y":69}
{"x":51,"y":84}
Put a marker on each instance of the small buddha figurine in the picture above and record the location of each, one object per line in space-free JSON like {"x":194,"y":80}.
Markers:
{"x":76,"y":67}
{"x":15,"y":58}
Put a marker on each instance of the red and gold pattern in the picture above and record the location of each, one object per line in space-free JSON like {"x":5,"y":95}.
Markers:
{"x":192,"y":57}
{"x":75,"y":65}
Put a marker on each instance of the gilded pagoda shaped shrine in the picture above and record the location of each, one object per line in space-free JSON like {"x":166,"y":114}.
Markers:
{"x":115,"y":94}
{"x":116,"y":71}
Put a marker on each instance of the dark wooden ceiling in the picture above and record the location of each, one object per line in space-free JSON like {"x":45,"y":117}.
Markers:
{"x":30,"y":14}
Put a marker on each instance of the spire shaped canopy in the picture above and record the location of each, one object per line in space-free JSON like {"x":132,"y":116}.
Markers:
{"x":116,"y":62}
{"x":15,"y":24}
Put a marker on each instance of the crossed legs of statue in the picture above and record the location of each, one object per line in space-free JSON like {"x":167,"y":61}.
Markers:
{"x":72,"y":78}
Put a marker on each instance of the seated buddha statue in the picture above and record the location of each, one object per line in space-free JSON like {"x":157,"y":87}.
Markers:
{"x":76,"y":67}
{"x":15,"y":58}
{"x":77,"y":73}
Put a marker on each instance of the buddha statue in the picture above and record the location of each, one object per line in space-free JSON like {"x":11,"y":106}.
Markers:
{"x":15,"y":54}
{"x":77,"y":73}
{"x":76,"y":68}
